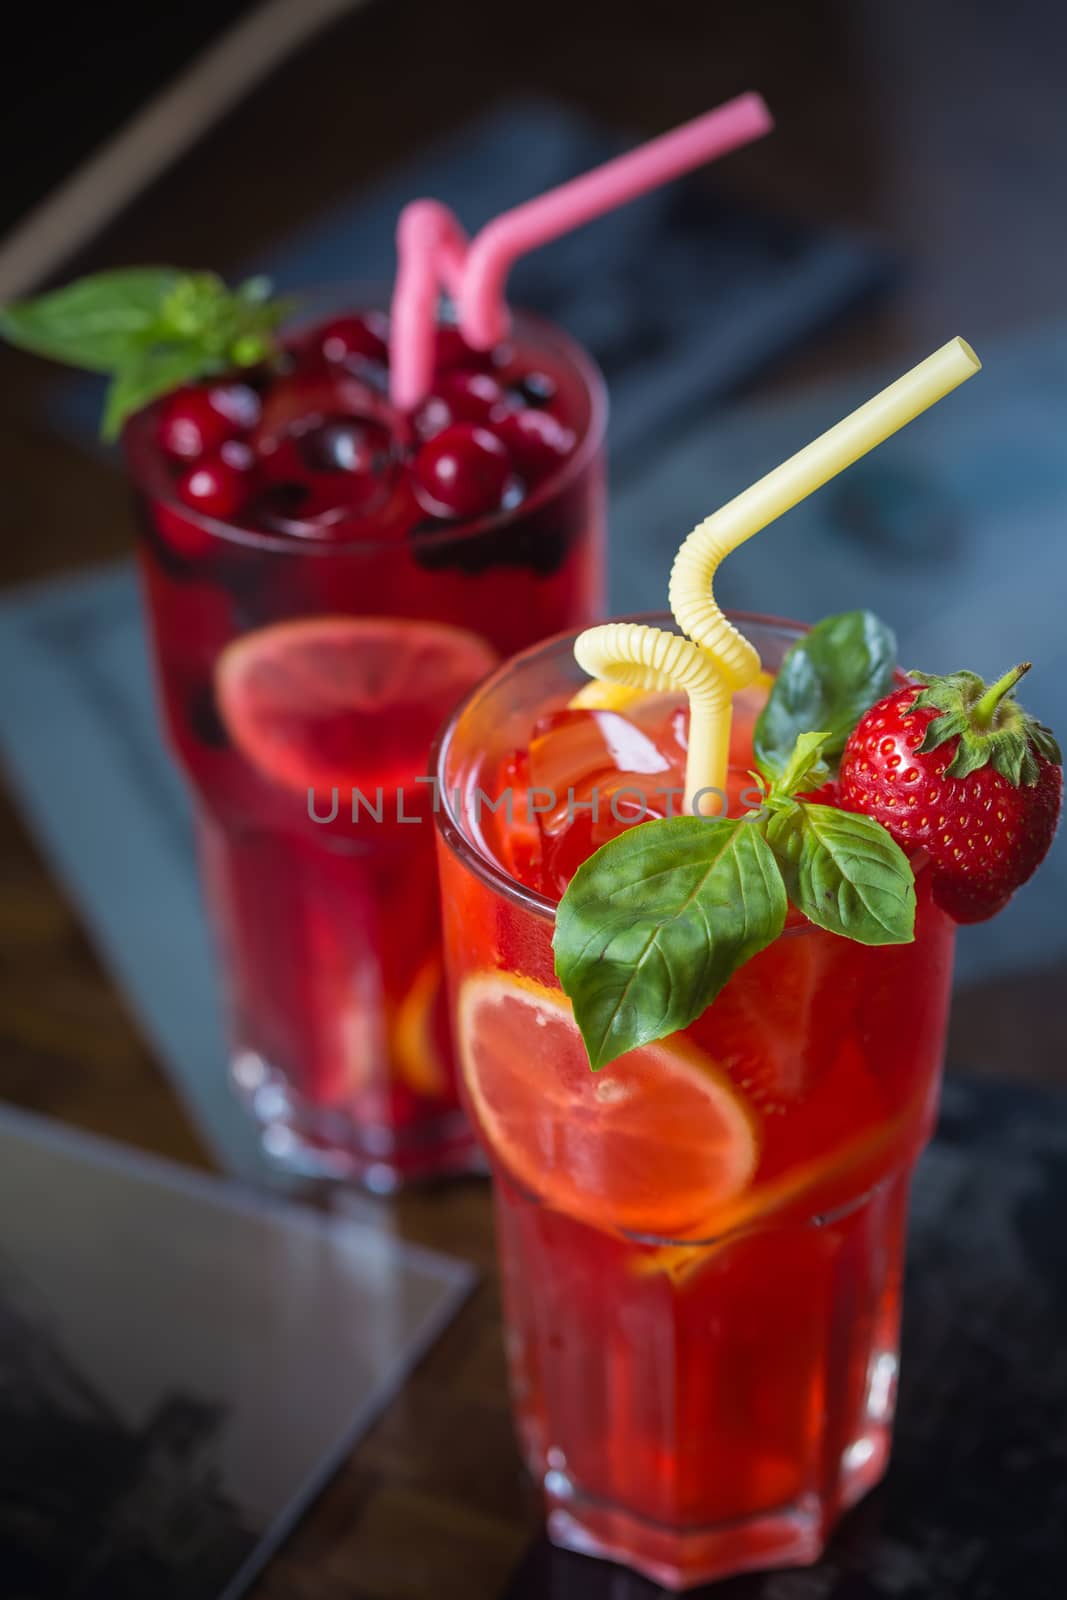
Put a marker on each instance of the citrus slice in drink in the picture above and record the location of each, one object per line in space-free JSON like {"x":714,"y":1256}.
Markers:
{"x":355,"y":701}
{"x":601,"y":694}
{"x":419,"y":1030}
{"x":767,"y":1027}
{"x":651,"y":1144}
{"x":858,"y":1158}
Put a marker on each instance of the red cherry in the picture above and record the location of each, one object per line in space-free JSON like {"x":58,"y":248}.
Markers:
{"x":462,"y":472}
{"x":460,"y":396}
{"x":366,"y":335}
{"x":238,"y":454}
{"x":469,"y":396}
{"x":191,"y":427}
{"x":351,"y":462}
{"x":345,"y":444}
{"x":296,"y":404}
{"x":238,"y":403}
{"x":219,"y":485}
{"x":451,"y":350}
{"x":537,"y":388}
{"x":537,"y":440}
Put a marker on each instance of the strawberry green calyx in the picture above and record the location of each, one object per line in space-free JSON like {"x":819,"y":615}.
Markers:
{"x":992,"y":727}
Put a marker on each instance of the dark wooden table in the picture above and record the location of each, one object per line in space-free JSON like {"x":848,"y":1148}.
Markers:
{"x":943,"y":125}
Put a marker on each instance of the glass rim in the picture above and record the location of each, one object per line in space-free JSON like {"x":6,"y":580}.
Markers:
{"x":477,"y":859}
{"x":156,"y":484}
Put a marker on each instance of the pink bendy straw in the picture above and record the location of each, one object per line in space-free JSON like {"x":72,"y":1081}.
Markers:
{"x":434,"y":253}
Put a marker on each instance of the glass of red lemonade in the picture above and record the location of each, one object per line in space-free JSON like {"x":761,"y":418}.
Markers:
{"x":701,"y":1244}
{"x":325,"y":578}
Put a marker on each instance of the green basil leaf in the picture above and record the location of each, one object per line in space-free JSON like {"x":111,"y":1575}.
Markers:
{"x":254,"y":323}
{"x":656,"y":922}
{"x":845,"y":873}
{"x":828,"y":680}
{"x":806,"y":767}
{"x":149,"y":374}
{"x":151,"y":328}
{"x":199,"y":307}
{"x":98,"y":322}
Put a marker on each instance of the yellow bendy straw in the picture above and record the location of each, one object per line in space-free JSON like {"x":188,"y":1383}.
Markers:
{"x":714,"y":661}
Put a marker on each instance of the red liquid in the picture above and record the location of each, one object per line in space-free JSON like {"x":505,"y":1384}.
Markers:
{"x":329,"y":929}
{"x":692,"y":1408}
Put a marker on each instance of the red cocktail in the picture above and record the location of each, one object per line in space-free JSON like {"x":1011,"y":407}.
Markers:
{"x":325,"y":578}
{"x":702,"y":1243}
{"x":336,"y":542}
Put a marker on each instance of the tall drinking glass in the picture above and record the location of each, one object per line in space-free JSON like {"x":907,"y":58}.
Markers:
{"x":307,"y":648}
{"x":701,"y":1245}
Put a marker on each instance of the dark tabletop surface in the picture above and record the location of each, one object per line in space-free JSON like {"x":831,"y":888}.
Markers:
{"x":944,"y":127}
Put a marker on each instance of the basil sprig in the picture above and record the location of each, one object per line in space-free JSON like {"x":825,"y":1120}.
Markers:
{"x":845,"y":872}
{"x":830,"y":677}
{"x":656,"y":922}
{"x":151,"y":329}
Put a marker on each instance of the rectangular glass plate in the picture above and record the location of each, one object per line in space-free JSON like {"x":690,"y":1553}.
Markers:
{"x":182,"y":1365}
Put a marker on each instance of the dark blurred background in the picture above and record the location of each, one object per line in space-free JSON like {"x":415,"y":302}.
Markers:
{"x":940,"y":121}
{"x":940,"y":124}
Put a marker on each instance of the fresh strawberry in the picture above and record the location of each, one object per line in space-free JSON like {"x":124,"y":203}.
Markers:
{"x":960,"y":771}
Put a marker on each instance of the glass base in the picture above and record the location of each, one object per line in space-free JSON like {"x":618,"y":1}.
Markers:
{"x":794,"y":1535}
{"x":328,"y":1144}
